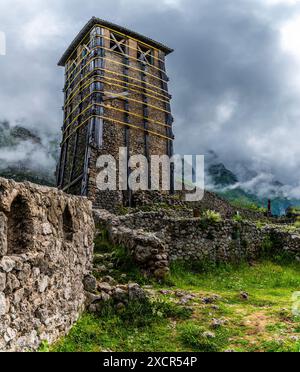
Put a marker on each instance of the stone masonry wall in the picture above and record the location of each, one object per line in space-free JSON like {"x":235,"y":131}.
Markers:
{"x":210,"y":201}
{"x":155,"y":239}
{"x":148,"y":251}
{"x":228,"y":240}
{"x":46,"y":247}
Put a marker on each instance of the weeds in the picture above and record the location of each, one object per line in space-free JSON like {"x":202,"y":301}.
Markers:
{"x":121,"y":260}
{"x":297,"y":223}
{"x":137,"y":328}
{"x":238,"y":218}
{"x":212,"y":216}
{"x":194,"y":337}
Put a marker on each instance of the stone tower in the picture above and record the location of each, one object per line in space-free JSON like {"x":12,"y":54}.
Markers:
{"x":115,"y":95}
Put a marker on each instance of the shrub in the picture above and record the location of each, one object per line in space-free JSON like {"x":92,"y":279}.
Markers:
{"x":102,"y":244}
{"x":238,"y":218}
{"x":212,"y":216}
{"x":183,"y":269}
{"x":124,"y":263}
{"x":272,"y":250}
{"x":121,"y":259}
{"x":267,"y":246}
{"x":297,"y":223}
{"x":260,"y":224}
{"x":246,"y":204}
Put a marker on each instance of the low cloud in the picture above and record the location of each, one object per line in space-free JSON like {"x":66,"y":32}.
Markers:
{"x":31,"y":155}
{"x":27,"y":149}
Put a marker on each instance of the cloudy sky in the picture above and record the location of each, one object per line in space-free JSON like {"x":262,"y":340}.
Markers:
{"x":235,"y":73}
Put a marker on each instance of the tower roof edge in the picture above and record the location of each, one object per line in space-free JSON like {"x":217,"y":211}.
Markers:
{"x":97,"y":21}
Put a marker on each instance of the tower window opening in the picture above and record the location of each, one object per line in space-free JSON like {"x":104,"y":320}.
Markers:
{"x":96,"y":31}
{"x":85,"y":51}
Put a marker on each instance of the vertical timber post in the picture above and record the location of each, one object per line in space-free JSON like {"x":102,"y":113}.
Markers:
{"x":169,"y":118}
{"x":127,"y":128}
{"x":145,"y":120}
{"x":96,"y":34}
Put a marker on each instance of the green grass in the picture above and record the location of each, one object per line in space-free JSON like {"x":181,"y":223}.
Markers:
{"x":263,"y":322}
{"x":263,"y":276}
{"x":194,"y":336}
{"x":142,"y":326}
{"x":297,"y":223}
{"x":238,"y":218}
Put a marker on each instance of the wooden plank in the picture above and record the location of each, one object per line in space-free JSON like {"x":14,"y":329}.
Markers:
{"x":145,"y":120}
{"x":85,"y":180}
{"x":74,"y":156}
{"x":74,"y":182}
{"x":64,"y":162}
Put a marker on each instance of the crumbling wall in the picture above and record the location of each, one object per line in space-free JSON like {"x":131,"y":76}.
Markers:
{"x":193,"y":239}
{"x":46,"y":247}
{"x":147,"y":250}
{"x":210,"y":201}
{"x":227,"y":241}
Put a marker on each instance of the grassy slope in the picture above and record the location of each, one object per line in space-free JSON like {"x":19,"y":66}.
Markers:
{"x":264,"y":322}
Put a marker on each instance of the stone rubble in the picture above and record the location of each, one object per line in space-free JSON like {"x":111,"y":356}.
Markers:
{"x":119,"y":295}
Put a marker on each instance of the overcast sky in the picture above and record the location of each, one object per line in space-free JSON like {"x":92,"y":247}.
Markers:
{"x":235,"y":72}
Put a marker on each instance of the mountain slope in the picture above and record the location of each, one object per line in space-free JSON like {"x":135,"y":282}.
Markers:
{"x":222,"y":176}
{"x":226,"y":184}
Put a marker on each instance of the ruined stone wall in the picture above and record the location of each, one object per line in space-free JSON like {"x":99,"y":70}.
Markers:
{"x":228,"y":240}
{"x":46,"y":247}
{"x":147,"y":250}
{"x":154,"y":239}
{"x":210,"y":201}
{"x":196,"y":239}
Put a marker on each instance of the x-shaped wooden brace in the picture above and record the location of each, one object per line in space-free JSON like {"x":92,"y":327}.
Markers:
{"x":144,"y":55}
{"x":76,"y":64}
{"x":86,"y":48}
{"x":109,"y":96}
{"x":118,"y":44}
